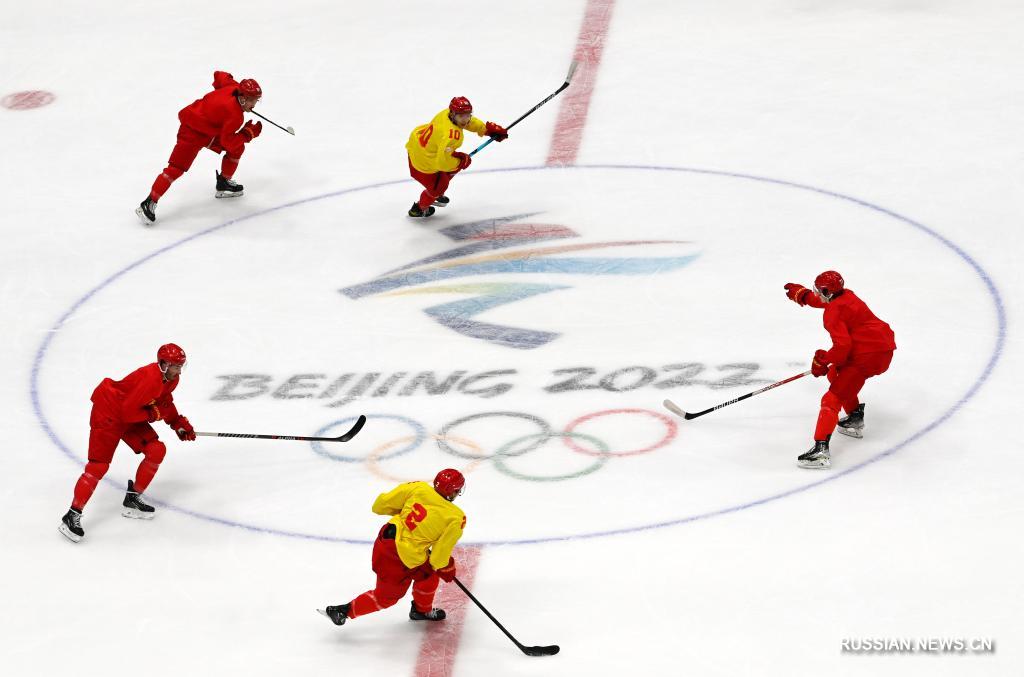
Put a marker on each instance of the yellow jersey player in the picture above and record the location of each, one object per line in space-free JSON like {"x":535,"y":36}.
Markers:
{"x":434,"y":156}
{"x":414,"y":547}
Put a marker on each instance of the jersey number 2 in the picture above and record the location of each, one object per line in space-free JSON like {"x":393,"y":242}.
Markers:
{"x":417,"y":515}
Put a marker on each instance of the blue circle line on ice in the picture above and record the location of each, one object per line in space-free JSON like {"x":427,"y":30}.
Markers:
{"x":1000,"y":340}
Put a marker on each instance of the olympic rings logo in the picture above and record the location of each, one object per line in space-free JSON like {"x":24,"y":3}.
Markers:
{"x":502,"y":458}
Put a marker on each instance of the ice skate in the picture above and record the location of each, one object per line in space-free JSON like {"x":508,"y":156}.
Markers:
{"x":441,"y":201}
{"x":337,"y":614}
{"x":135,"y":507}
{"x":853,"y":424}
{"x":415,"y":211}
{"x":228,"y":188}
{"x":816,"y":457}
{"x":432,"y":615}
{"x":146,"y":212}
{"x":71,"y":525}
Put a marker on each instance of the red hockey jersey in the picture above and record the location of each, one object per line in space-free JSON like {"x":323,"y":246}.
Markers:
{"x":853,"y":327}
{"x":128,"y":398}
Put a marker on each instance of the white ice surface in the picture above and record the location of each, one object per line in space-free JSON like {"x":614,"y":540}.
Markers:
{"x":911,"y":106}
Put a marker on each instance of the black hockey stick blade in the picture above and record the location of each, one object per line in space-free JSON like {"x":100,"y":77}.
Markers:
{"x":354,"y":430}
{"x":540,"y":650}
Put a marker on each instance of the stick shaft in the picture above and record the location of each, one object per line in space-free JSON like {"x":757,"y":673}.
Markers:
{"x":522,"y":117}
{"x":488,"y":614}
{"x":743,"y":397}
{"x":273,"y":123}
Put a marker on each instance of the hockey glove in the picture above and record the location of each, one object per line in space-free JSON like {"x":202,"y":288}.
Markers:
{"x":819,"y":365}
{"x":464,"y":160}
{"x":251,"y":130}
{"x":496,"y":131}
{"x":184,"y":429}
{"x":797,"y":292}
{"x":447,"y":572}
{"x":152,"y":413}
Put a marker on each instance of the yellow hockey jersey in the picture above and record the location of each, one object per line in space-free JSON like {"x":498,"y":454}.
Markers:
{"x":425,"y":520}
{"x":431,"y":145}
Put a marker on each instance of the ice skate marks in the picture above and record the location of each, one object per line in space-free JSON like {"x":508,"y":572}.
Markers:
{"x":477,"y":257}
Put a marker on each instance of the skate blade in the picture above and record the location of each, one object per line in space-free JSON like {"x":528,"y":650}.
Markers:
{"x":70,"y":535}
{"x":815,"y":465}
{"x":134,"y":514}
{"x":228,"y":193}
{"x":323,"y":612}
{"x":143,"y":218}
{"x":440,"y":204}
{"x":852,"y":432}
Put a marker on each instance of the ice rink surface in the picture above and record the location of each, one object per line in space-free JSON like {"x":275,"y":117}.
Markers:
{"x":627,"y":244}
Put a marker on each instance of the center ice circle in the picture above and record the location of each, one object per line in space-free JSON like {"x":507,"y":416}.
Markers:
{"x":877,"y":211}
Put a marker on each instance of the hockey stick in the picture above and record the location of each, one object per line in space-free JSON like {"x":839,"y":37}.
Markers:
{"x":568,"y":79}
{"x":671,"y":406}
{"x":287,"y":129}
{"x":528,"y":650}
{"x":360,"y":422}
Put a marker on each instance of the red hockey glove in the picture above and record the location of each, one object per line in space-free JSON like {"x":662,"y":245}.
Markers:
{"x":464,"y":160}
{"x":251,"y":130}
{"x":152,"y":413}
{"x":797,"y":292}
{"x":184,"y":429}
{"x":496,"y":131}
{"x":819,"y":365}
{"x":447,"y":572}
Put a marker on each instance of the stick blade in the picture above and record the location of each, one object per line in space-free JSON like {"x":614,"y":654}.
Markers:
{"x":360,"y":422}
{"x":671,"y":406}
{"x":290,"y":130}
{"x":541,"y":650}
{"x":572,"y":71}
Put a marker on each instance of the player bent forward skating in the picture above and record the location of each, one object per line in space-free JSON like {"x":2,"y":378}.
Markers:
{"x":123,"y":410}
{"x":434,"y":156}
{"x":862,"y":347}
{"x":413,"y":548}
{"x":213,"y":122}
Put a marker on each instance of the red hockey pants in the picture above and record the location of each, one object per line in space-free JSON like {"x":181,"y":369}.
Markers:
{"x":845,"y":382}
{"x":393,"y":580}
{"x":434,"y":184}
{"x":189,"y":143}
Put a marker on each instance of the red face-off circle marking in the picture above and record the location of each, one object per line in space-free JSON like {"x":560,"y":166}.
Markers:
{"x":27,"y":100}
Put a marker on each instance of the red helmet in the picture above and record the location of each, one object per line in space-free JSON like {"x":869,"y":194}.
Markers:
{"x":170,"y":353}
{"x":460,"y":104}
{"x":829,"y":283}
{"x":250,"y":88}
{"x":449,"y":483}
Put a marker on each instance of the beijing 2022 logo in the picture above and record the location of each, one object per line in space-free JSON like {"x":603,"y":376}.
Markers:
{"x":478,"y":254}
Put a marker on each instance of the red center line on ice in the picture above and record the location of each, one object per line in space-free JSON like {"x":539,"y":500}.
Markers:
{"x":572,"y":117}
{"x":441,"y":640}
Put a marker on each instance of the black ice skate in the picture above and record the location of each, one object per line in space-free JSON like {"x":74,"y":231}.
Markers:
{"x":135,"y":507}
{"x":816,"y":457}
{"x":147,"y":212}
{"x":441,"y":201}
{"x":71,"y":525}
{"x":853,"y":425}
{"x":228,"y":188}
{"x":432,"y":615}
{"x":415,"y":211}
{"x":337,"y":614}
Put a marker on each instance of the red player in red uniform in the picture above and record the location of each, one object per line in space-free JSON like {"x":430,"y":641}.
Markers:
{"x":213,"y":122}
{"x":413,"y":548}
{"x":862,"y":347}
{"x":123,"y":410}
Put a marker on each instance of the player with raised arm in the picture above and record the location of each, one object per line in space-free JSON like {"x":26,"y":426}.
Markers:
{"x":213,"y":122}
{"x":434,"y":155}
{"x":123,"y":411}
{"x":414,"y":547}
{"x":862,"y":347}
